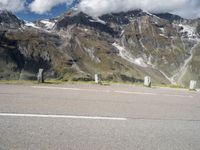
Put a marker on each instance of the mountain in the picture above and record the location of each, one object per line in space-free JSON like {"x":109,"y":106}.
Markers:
{"x":170,"y":17}
{"x":121,"y":47}
{"x":9,"y":20}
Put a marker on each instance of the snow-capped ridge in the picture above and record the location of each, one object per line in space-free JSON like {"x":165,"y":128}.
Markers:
{"x":48,"y":24}
{"x":31,"y":24}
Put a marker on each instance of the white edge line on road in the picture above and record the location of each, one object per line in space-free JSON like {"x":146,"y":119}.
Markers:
{"x":109,"y":91}
{"x":92,"y":90}
{"x":182,"y":96}
{"x":137,"y":93}
{"x":60,"y":116}
{"x":73,"y":89}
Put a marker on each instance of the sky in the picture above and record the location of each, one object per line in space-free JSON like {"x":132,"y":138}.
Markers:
{"x":42,"y":9}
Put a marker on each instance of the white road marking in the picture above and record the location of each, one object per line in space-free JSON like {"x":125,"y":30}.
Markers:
{"x":72,"y":89}
{"x":60,"y":116}
{"x":137,"y":93}
{"x":183,"y":96}
{"x":92,"y":90}
{"x":110,"y":91}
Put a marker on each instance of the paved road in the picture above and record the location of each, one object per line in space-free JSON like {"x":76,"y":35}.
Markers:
{"x":92,"y":117}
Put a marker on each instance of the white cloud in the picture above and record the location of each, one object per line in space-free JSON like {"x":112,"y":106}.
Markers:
{"x":12,"y":5}
{"x":43,"y":6}
{"x":186,"y":8}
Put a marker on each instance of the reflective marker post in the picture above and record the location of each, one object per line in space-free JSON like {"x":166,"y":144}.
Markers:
{"x":193,"y":85}
{"x":147,"y":81}
{"x":97,"y":78}
{"x":40,"y":76}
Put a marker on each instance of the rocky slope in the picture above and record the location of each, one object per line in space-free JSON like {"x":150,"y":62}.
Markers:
{"x":121,"y":47}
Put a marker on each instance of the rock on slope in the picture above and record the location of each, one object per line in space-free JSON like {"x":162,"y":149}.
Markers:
{"x":122,"y":47}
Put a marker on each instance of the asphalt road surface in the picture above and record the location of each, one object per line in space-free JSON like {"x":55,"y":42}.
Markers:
{"x":93,"y":117}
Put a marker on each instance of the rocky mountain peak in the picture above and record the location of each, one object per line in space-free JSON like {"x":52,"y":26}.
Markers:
{"x":122,"y":18}
{"x":7,"y":18}
{"x":82,"y":19}
{"x":170,"y":17}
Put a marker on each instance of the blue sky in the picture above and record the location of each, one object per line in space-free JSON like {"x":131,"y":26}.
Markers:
{"x":30,"y":16}
{"x":27,"y":15}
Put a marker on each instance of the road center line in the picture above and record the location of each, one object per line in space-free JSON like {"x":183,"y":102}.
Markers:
{"x":60,"y":116}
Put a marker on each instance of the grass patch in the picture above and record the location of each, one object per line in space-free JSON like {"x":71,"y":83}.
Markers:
{"x":169,"y":86}
{"x":17,"y":82}
{"x":103,"y":83}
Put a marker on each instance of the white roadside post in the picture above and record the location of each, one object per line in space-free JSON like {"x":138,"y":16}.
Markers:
{"x":97,"y":79}
{"x":40,"y":76}
{"x":147,"y":81}
{"x":193,"y":85}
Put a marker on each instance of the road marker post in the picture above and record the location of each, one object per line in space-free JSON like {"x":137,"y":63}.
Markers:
{"x":40,"y":76}
{"x":147,"y":81}
{"x":97,"y":78}
{"x":193,"y":85}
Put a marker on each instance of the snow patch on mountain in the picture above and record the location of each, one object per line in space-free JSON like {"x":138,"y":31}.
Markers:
{"x":162,"y":30}
{"x":140,"y":62}
{"x":31,"y":24}
{"x":48,"y":24}
{"x":97,"y":20}
{"x":188,"y":31}
{"x":163,"y":36}
{"x":123,"y":53}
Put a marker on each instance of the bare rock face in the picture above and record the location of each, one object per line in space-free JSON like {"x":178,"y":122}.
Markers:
{"x":9,"y":20}
{"x":87,"y":21}
{"x":122,"y":47}
{"x":170,"y":17}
